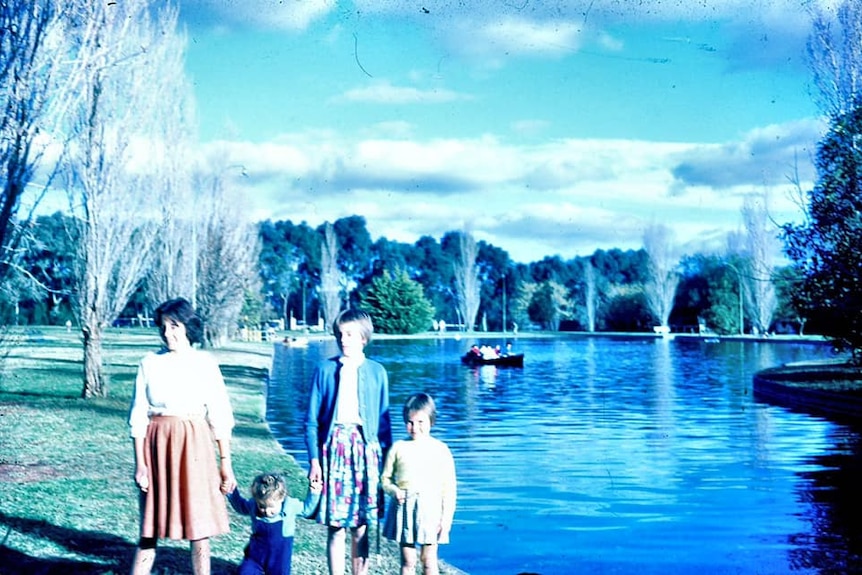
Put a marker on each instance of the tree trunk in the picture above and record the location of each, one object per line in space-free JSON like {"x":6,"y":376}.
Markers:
{"x":94,"y":377}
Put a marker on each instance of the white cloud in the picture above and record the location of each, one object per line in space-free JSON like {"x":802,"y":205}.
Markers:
{"x":767,"y":156}
{"x":522,"y":36}
{"x":385,"y":93}
{"x":567,"y":197}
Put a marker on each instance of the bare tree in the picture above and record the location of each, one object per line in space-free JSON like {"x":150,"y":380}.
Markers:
{"x":287,"y":280}
{"x":38,"y":80}
{"x":521,"y":303}
{"x":227,"y":248}
{"x":467,"y":280}
{"x":590,"y":295}
{"x":660,"y":287}
{"x":835,"y":56}
{"x":115,"y":160}
{"x":762,"y":246}
{"x":172,"y":273}
{"x":330,"y":275}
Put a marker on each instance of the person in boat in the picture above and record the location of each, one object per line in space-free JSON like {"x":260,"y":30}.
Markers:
{"x":488,"y":352}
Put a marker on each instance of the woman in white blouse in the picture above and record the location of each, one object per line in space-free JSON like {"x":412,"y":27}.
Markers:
{"x":179,"y":408}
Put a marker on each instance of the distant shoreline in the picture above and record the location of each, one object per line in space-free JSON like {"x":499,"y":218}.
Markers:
{"x":503,"y":335}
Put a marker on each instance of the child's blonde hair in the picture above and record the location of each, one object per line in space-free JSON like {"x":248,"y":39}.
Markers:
{"x":268,"y":487}
{"x":353,"y":315}
{"x":420,"y":402}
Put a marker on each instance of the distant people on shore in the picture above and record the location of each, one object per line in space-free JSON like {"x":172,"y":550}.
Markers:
{"x":348,"y":433}
{"x":419,"y":476}
{"x":180,"y":407}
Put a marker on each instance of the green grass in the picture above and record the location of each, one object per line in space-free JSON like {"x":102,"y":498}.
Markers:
{"x":68,"y":503}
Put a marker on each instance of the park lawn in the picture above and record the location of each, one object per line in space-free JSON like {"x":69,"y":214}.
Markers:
{"x":68,"y":503}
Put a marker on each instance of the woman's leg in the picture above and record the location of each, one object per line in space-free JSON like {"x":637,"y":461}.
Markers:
{"x":335,"y":547}
{"x":408,"y":560}
{"x":145,"y":556}
{"x":359,"y":549}
{"x":200,"y":556}
{"x":429,"y":560}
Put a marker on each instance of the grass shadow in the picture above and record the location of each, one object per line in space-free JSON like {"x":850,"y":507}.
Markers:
{"x":101,"y":553}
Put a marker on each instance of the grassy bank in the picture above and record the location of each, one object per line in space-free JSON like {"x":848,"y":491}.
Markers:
{"x":68,"y":503}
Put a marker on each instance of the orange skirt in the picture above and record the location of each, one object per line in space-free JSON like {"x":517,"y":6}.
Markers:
{"x":183,"y":501}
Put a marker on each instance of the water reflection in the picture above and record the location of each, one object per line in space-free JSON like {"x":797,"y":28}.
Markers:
{"x":833,"y":541}
{"x":619,"y":456}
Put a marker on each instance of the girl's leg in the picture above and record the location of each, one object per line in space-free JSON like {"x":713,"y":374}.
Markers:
{"x":359,"y":549}
{"x":408,"y":560}
{"x":200,"y":556}
{"x":429,"y":559}
{"x":335,"y":547}
{"x":145,"y":556}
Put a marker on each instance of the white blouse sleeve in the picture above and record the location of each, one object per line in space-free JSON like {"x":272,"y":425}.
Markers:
{"x":139,"y":416}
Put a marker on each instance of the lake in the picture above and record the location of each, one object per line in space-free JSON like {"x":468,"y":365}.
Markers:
{"x":619,"y":455}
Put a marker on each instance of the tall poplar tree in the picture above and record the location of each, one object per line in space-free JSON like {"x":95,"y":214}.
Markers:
{"x":467,"y":286}
{"x":40,"y":77}
{"x":117,"y":158}
{"x":662,"y":278}
{"x":330,"y":275}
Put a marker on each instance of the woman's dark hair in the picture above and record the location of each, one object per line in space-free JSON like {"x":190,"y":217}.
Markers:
{"x":420,"y":402}
{"x":182,"y":311}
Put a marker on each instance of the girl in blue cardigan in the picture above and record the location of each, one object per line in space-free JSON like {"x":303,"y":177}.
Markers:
{"x":348,"y":432}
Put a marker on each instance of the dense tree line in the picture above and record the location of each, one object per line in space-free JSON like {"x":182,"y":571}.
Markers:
{"x":551,"y":293}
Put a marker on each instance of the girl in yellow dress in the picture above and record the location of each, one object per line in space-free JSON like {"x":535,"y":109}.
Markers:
{"x":419,"y":477}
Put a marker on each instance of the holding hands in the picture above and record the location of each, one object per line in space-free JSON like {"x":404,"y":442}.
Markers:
{"x":142,"y":478}
{"x":400,"y":495}
{"x":315,"y":474}
{"x":228,"y":480}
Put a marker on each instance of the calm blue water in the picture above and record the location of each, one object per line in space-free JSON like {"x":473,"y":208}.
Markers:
{"x":620,"y":456}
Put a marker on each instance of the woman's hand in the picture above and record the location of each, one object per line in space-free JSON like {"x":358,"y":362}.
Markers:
{"x":142,"y":477}
{"x":400,"y":494}
{"x":228,"y":480}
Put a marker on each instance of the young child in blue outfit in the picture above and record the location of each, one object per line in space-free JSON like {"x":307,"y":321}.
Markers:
{"x":273,"y":523}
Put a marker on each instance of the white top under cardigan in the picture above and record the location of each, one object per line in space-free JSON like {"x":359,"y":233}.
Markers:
{"x":347,"y":406}
{"x":186,"y":384}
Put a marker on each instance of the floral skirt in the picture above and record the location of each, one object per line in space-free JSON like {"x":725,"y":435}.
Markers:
{"x":183,"y":501}
{"x":351,"y":476}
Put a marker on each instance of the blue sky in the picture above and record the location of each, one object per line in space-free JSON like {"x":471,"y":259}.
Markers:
{"x":545,"y":128}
